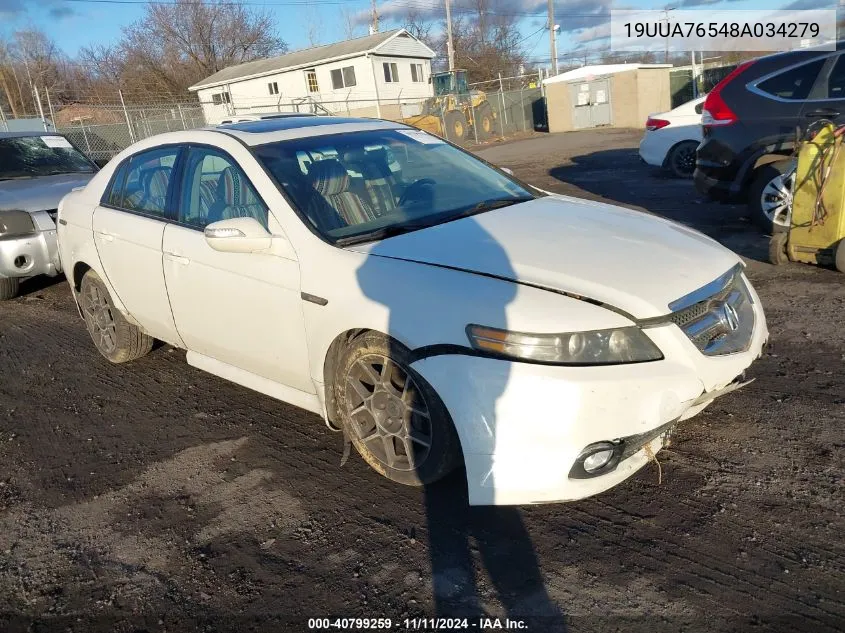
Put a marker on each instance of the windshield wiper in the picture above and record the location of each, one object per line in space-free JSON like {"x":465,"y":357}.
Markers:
{"x":382,"y":233}
{"x":490,"y":204}
{"x":16,"y":177}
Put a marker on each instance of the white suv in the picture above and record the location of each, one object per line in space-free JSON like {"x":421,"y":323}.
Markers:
{"x":435,"y":308}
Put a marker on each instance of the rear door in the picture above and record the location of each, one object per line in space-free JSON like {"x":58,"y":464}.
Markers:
{"x":128,"y":230}
{"x":827,"y":100}
{"x":773,"y":120}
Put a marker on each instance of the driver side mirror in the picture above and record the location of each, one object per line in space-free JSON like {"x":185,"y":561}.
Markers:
{"x":246,"y":235}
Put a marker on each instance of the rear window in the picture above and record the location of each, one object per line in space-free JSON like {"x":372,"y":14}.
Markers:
{"x":795,"y":83}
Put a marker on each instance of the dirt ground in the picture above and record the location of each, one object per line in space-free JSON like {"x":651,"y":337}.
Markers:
{"x":155,"y":497}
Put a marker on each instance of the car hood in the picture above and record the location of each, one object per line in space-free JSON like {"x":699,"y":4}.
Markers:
{"x":40,"y":193}
{"x":630,"y":260}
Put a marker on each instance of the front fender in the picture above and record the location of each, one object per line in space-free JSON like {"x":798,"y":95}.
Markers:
{"x":421,"y":305}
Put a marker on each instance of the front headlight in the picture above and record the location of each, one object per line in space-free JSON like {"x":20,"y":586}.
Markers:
{"x":597,"y":347}
{"x":15,"y":224}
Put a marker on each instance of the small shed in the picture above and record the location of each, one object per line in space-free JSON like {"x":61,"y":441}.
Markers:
{"x":607,"y":95}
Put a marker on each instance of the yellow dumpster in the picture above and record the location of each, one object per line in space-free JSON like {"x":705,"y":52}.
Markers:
{"x":817,"y":222}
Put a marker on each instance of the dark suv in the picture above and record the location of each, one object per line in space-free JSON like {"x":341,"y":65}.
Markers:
{"x":751,"y":121}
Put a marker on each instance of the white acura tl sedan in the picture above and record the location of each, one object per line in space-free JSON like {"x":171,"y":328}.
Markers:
{"x":437,"y":310}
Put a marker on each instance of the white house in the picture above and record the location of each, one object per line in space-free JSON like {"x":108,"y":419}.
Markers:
{"x":383,"y":75}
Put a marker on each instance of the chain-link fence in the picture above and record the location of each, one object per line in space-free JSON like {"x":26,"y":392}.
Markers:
{"x":103,"y":130}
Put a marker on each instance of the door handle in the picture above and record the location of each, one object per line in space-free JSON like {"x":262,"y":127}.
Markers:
{"x":822,"y":112}
{"x":106,"y":237}
{"x":177,"y":258}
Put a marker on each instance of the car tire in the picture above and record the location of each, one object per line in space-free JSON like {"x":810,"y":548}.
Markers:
{"x":839,"y":258}
{"x":680,"y":161}
{"x":777,"y":248}
{"x":392,"y":416}
{"x":770,"y":196}
{"x":456,"y":126}
{"x":9,"y":287}
{"x":114,"y":337}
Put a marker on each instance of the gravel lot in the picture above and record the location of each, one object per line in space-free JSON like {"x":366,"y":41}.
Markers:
{"x":155,"y":497}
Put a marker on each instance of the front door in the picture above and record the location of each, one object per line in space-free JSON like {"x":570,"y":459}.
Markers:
{"x":243,"y":309}
{"x":128,"y":229}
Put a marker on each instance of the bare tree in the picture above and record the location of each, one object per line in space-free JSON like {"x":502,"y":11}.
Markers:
{"x":175,"y":45}
{"x":419,"y":27}
{"x":350,"y":27}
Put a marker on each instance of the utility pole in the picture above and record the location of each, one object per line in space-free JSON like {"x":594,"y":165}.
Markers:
{"x":552,"y":37}
{"x":374,"y":26}
{"x":450,"y":47}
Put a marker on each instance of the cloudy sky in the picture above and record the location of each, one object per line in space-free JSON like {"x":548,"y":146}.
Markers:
{"x":77,"y":23}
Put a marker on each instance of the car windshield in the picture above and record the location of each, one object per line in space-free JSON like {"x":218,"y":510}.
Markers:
{"x":45,"y":155}
{"x":368,"y":185}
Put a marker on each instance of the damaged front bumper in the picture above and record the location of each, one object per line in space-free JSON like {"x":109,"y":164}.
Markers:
{"x":523,"y":426}
{"x":34,"y":254}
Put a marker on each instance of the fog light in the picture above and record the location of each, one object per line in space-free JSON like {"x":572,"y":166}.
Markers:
{"x":598,"y":460}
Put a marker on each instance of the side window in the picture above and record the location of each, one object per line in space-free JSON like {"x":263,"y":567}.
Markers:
{"x":793,"y":84}
{"x":113,"y":195}
{"x":836,"y":80}
{"x":215,"y":189}
{"x":148,"y":180}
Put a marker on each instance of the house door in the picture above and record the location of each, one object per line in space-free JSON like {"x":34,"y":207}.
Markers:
{"x":590,"y":103}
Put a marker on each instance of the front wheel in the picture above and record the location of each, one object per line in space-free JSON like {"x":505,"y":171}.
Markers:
{"x":392,"y":416}
{"x":114,"y":337}
{"x":9,"y":287}
{"x":456,"y":126}
{"x":770,"y":196}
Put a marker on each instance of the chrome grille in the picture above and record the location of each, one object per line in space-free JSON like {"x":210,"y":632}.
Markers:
{"x":719,"y":317}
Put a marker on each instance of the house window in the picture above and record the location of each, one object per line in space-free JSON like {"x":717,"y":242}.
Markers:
{"x":416,"y":73}
{"x":391,"y":73}
{"x":311,"y":79}
{"x":343,"y":77}
{"x":220,"y":97}
{"x":273,"y":88}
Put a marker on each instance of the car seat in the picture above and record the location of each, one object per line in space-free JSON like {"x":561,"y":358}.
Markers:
{"x":331,"y":180}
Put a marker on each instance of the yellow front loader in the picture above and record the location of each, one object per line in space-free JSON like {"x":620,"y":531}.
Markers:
{"x":816,"y":232}
{"x":455,"y":109}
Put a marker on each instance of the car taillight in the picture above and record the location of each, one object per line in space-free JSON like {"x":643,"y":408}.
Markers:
{"x":655,"y":124}
{"x":715,"y":110}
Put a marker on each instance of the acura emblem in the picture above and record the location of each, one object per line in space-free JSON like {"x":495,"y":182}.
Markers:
{"x":730,"y":317}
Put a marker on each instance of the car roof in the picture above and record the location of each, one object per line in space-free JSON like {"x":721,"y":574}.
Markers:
{"x":271,"y":130}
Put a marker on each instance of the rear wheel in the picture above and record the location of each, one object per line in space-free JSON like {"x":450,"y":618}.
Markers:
{"x":114,"y":337}
{"x":9,"y":287}
{"x":392,"y":416}
{"x":777,"y":248}
{"x":770,"y":196}
{"x":456,"y":126}
{"x":681,"y":159}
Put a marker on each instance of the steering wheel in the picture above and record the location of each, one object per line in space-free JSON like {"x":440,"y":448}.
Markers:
{"x":411,"y":191}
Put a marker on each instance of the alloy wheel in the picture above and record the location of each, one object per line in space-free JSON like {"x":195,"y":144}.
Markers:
{"x":684,"y":160}
{"x":388,"y":412}
{"x":99,"y":318}
{"x":776,"y":198}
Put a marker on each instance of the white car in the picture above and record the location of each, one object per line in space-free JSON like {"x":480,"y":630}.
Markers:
{"x":442,"y":314}
{"x":671,"y":138}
